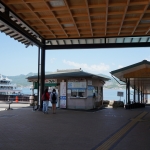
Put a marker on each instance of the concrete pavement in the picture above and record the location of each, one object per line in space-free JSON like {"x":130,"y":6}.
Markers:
{"x":109,"y":128}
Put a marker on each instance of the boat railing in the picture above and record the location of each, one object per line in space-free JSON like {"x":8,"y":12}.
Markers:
{"x":7,"y":84}
{"x":4,"y":88}
{"x":13,"y":97}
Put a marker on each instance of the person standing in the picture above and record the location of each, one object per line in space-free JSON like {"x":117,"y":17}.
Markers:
{"x":53,"y":99}
{"x":45,"y":98}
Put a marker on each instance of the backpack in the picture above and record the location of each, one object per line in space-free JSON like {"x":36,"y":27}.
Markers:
{"x":54,"y":97}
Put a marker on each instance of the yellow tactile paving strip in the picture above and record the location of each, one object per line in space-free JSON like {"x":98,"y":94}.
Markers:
{"x":113,"y":139}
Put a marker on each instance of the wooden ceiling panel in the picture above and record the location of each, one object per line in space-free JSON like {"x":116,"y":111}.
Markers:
{"x":82,"y":18}
{"x":146,"y":16}
{"x":46,"y":15}
{"x":118,"y":3}
{"x":61,"y":12}
{"x":75,"y":2}
{"x":19,"y":7}
{"x":54,"y":27}
{"x":101,"y":17}
{"x":129,"y":23}
{"x":138,"y":2}
{"x":38,"y":5}
{"x":148,"y":9}
{"x":96,"y":2}
{"x":112,"y":23}
{"x":136,"y":8}
{"x":113,"y":26}
{"x":142,"y":29}
{"x":97,"y":10}
{"x":132,"y":16}
{"x":77,"y":12}
{"x":116,"y":10}
{"x":114,"y":17}
{"x":94,"y":25}
{"x":127,"y":30}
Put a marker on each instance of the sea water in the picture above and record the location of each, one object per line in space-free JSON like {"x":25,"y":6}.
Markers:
{"x":111,"y":94}
{"x":28,"y":91}
{"x":108,"y":94}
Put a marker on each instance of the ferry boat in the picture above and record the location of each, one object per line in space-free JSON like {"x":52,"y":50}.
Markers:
{"x":7,"y":88}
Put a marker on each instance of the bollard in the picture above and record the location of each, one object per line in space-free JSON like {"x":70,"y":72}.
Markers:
{"x":31,"y":100}
{"x":16,"y":100}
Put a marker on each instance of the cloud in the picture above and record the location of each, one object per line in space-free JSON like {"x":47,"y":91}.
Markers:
{"x":52,"y":60}
{"x":120,"y":66}
{"x":148,"y":59}
{"x":94,"y":68}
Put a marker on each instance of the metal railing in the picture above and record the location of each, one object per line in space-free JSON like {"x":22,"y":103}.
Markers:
{"x":13,"y":97}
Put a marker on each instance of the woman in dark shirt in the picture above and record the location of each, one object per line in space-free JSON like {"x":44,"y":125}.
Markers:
{"x":53,"y":99}
{"x":45,"y":101}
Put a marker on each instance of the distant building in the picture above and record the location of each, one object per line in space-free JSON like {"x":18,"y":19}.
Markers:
{"x":76,"y":89}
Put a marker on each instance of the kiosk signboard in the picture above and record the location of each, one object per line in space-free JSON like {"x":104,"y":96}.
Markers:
{"x":76,"y":85}
{"x":120,"y":94}
{"x":62,"y":94}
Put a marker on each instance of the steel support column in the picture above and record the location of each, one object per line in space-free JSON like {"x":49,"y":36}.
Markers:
{"x":102,"y":94}
{"x":141,"y":96}
{"x":138,"y":95}
{"x":42,"y":74}
{"x":134,"y":95}
{"x":38,"y":90}
{"x":129,"y":91}
{"x":126,"y":90}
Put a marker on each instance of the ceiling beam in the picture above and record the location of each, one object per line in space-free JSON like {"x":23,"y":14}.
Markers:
{"x":89,"y":46}
{"x":106,"y":16}
{"x":88,"y":12}
{"x":72,"y":17}
{"x":145,"y":8}
{"x":126,"y":7}
{"x":147,"y":31}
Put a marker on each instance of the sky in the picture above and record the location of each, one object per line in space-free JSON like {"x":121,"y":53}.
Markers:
{"x":16,"y":59}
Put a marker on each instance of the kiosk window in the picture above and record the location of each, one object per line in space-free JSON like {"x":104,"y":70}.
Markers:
{"x":77,"y":93}
{"x":95,"y":91}
{"x":74,"y":93}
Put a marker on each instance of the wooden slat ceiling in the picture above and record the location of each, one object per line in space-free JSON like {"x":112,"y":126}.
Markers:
{"x":67,"y":19}
{"x":139,"y":75}
{"x":14,"y":34}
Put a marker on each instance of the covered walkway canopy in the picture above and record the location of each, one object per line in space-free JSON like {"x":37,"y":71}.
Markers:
{"x":76,"y":24}
{"x":136,"y":76}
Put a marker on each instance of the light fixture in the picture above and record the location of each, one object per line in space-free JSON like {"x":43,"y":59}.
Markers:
{"x":145,"y":21}
{"x":68,"y":25}
{"x":57,"y":3}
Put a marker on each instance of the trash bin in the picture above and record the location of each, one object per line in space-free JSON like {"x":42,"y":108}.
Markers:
{"x":35,"y":106}
{"x":31,"y":99}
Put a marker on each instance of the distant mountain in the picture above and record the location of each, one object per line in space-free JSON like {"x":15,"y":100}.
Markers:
{"x":21,"y":80}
